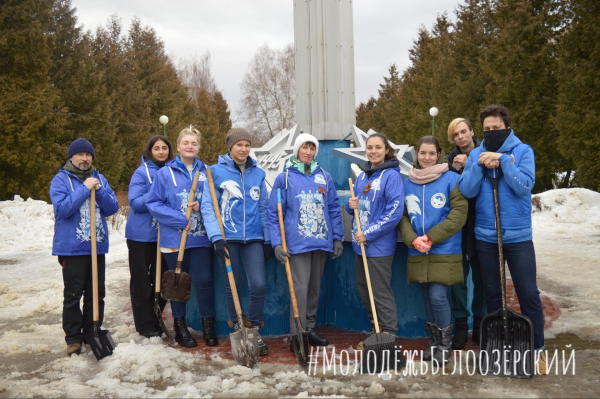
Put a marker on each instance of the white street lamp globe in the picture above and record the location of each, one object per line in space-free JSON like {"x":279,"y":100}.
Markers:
{"x":163,"y":119}
{"x":433,"y":111}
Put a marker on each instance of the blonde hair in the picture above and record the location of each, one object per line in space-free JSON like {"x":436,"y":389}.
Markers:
{"x":189,"y":131}
{"x":455,"y":123}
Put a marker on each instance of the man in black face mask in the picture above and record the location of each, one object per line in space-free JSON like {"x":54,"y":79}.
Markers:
{"x":501,"y":151}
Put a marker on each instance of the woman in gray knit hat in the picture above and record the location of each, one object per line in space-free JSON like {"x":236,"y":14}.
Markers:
{"x":242,"y":195}
{"x":313,"y":228}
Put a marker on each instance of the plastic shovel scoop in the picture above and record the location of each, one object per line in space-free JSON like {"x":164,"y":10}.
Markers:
{"x":506,"y":338}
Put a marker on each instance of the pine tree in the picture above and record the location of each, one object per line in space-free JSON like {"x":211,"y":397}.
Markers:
{"x":578,"y":115}
{"x":30,"y":153}
{"x":212,"y":142}
{"x":74,"y":74}
{"x":521,"y":62}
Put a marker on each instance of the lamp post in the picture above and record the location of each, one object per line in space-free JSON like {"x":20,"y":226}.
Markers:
{"x":164,"y":120}
{"x":433,"y":111}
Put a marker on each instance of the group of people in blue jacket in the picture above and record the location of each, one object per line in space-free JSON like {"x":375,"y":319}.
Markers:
{"x":444,"y":211}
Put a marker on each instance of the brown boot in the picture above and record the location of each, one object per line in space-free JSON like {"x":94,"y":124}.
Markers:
{"x":74,"y":349}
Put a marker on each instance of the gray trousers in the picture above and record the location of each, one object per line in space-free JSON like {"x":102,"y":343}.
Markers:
{"x":380,"y":272}
{"x":307,"y":270}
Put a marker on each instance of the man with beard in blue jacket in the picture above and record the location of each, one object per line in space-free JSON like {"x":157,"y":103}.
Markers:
{"x":70,"y":195}
{"x":501,"y":149}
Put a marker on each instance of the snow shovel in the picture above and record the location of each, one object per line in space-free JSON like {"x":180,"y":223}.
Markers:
{"x":299,"y":341}
{"x":374,"y":359}
{"x":177,"y":285}
{"x":100,"y":341}
{"x":244,"y":343}
{"x":506,"y":340}
{"x":157,"y":310}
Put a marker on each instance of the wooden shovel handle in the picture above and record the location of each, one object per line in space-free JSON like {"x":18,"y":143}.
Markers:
{"x":158,"y":263}
{"x":215,"y":202}
{"x":94,"y":253}
{"x":364,"y":256}
{"x":188,"y":215}
{"x":288,"y":268}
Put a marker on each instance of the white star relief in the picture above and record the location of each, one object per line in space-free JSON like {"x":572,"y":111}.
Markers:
{"x":272,"y":156}
{"x":404,"y":152}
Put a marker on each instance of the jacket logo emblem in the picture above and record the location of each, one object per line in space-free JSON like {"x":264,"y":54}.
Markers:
{"x":319,"y":179}
{"x":412,"y":205}
{"x":512,"y":157}
{"x":197,"y":228}
{"x":375,"y":185}
{"x":311,"y":216}
{"x":438,"y":200}
{"x":201,"y":176}
{"x":230,"y":197}
{"x":255,"y":193}
{"x":322,"y":191}
{"x":367,"y":188}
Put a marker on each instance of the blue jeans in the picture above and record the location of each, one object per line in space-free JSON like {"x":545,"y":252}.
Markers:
{"x":200,"y":260}
{"x":252,"y":257}
{"x":520,"y":257}
{"x":437,"y":308}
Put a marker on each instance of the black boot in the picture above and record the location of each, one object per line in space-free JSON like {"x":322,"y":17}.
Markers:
{"x":182,"y":335}
{"x":430,"y":327}
{"x":208,"y":331}
{"x":461,"y":334}
{"x":476,"y":328}
{"x":315,"y":339}
{"x":442,"y":353}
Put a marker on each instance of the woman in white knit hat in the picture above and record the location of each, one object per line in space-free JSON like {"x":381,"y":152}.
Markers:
{"x":313,"y":228}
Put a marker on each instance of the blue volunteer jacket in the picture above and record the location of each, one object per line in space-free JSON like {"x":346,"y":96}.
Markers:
{"x":428,"y":205}
{"x":380,"y":209}
{"x":311,"y":211}
{"x":514,"y":192}
{"x":242,"y":200}
{"x":168,"y":202}
{"x":141,"y":226}
{"x":71,"y":202}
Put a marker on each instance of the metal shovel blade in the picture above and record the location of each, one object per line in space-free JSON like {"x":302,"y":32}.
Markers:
{"x":300,"y":344}
{"x":245,"y":350}
{"x":506,"y":349}
{"x":381,"y":353}
{"x":101,"y":342}
{"x":176,"y":287}
{"x":161,"y":322}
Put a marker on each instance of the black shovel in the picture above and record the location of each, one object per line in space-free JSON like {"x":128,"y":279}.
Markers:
{"x":299,"y":341}
{"x":506,"y":340}
{"x":177,"y":285}
{"x":99,"y":340}
{"x":244,"y":343}
{"x":381,"y":351}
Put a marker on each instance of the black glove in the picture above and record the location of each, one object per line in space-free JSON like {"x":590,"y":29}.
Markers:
{"x":220,"y":246}
{"x":280,"y":254}
{"x":338,"y":248}
{"x":267,"y":251}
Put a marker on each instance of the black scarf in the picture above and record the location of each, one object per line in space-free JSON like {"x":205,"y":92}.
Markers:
{"x":81,"y":174}
{"x":159,"y":164}
{"x":494,"y":139}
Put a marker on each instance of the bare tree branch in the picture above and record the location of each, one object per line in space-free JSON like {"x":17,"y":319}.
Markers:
{"x":269,"y":92}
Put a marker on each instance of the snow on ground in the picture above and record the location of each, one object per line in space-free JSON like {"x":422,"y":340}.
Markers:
{"x":566,"y":235}
{"x":32,"y":347}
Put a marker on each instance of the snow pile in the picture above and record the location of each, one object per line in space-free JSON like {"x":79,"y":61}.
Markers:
{"x":26,"y":225}
{"x":567,"y":205}
{"x":566,"y":234}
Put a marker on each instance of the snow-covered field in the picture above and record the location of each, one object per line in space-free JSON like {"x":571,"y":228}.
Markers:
{"x":32,"y":348}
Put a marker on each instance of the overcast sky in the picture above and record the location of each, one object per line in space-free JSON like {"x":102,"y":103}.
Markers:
{"x":232,"y":30}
